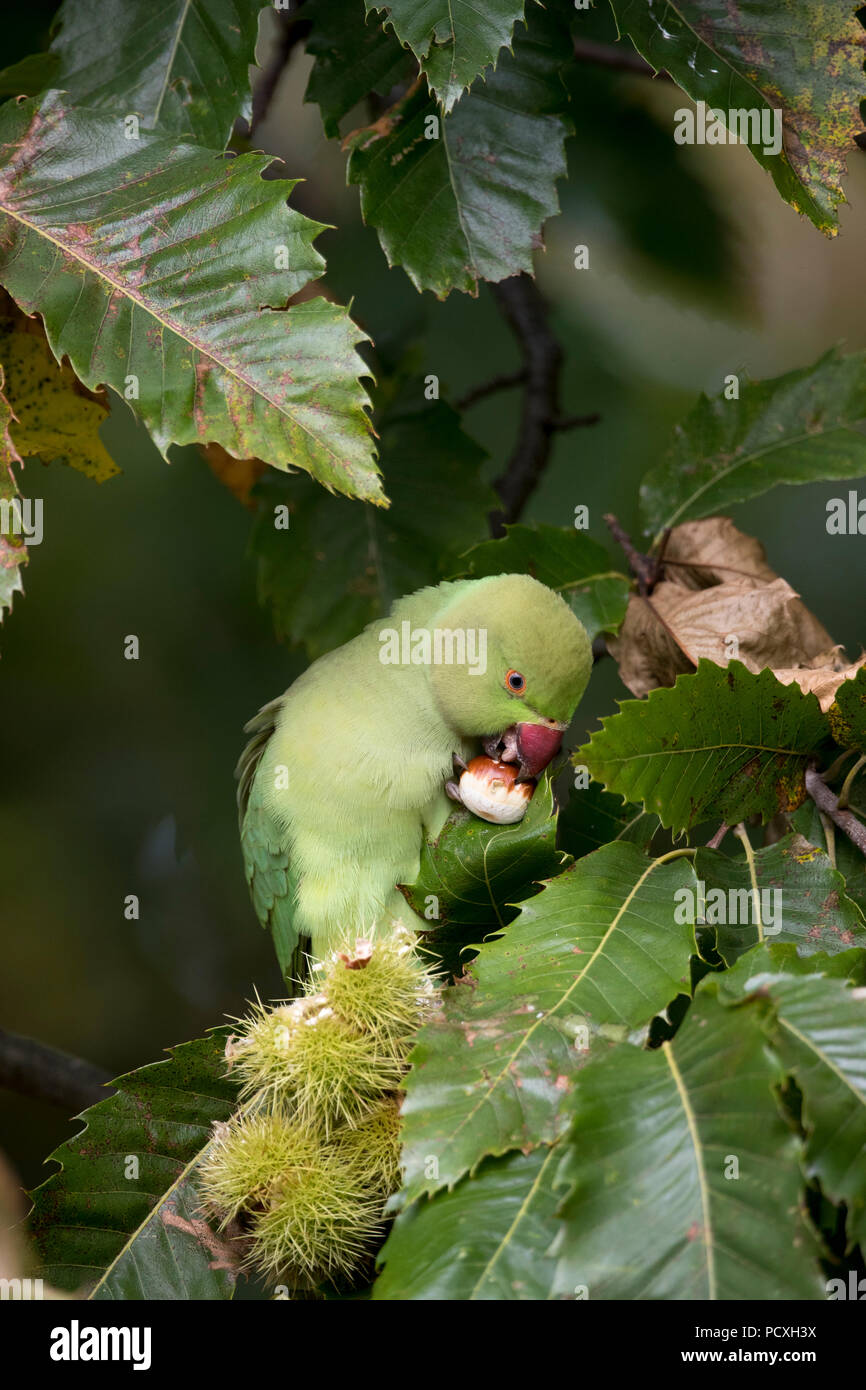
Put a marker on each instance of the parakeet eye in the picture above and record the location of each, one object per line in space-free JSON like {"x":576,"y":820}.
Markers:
{"x":515,"y":682}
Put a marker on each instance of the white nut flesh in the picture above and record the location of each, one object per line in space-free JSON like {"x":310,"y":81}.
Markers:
{"x":495,"y":798}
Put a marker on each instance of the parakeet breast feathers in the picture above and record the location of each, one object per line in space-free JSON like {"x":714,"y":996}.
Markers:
{"x":345,"y":773}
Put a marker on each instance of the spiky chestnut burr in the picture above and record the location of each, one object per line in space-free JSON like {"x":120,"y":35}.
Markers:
{"x":379,"y":985}
{"x":372,"y":1148}
{"x":304,"y":1057}
{"x":247,"y":1156}
{"x":310,"y":1161}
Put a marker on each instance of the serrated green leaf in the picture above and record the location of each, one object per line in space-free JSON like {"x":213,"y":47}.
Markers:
{"x":501,"y":1221}
{"x":783,"y":958}
{"x":165,"y":284}
{"x":353,"y":55}
{"x":801,"y":899}
{"x":598,"y":949}
{"x":721,"y":743}
{"x":847,"y":857}
{"x":847,"y":714}
{"x":592,"y":818}
{"x":453,"y":40}
{"x":472,"y":873}
{"x":121,"y":1218}
{"x":822,"y":1040}
{"x":796,"y":428}
{"x":181,"y":66}
{"x":801,"y":58}
{"x":567,"y":561}
{"x":820,"y":1034}
{"x":654,"y":1209}
{"x":463,"y":197}
{"x":339,"y":566}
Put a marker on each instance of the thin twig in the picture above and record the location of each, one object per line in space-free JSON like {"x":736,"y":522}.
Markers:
{"x":828,"y":802}
{"x":32,"y":1068}
{"x":524,"y":308}
{"x":496,"y":383}
{"x":608,"y":55}
{"x":642,"y":566}
{"x":715,"y":840}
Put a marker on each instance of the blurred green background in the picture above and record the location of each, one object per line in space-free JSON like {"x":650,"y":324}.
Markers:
{"x":118,"y":773}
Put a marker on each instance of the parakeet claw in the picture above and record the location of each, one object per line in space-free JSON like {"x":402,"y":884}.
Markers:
{"x":459,"y":764}
{"x":453,"y":790}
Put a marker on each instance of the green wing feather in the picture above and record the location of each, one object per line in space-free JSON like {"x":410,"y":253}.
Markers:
{"x":269,"y":874}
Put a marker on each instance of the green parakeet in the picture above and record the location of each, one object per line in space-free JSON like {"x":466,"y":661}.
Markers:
{"x":346,"y":772}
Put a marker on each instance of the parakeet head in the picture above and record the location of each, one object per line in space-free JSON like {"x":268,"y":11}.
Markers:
{"x":537,"y":663}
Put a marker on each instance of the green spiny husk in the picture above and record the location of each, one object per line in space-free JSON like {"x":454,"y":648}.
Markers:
{"x":380,"y":987}
{"x":372,"y":1147}
{"x":304,"y":1058}
{"x":248,"y":1156}
{"x":315,"y":1152}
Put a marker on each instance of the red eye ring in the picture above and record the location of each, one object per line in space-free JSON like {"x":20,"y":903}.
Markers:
{"x":515,"y":683}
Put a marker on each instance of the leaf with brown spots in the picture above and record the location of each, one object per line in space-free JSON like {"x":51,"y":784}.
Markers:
{"x":802,"y":57}
{"x":800,"y":898}
{"x":847,"y":714}
{"x":720,"y":744}
{"x":164,"y":272}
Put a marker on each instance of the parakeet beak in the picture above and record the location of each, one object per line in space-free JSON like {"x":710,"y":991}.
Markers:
{"x":537,"y":744}
{"x":532,"y":746}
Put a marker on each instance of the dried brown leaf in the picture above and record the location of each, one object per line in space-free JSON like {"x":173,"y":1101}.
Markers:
{"x":721,"y":601}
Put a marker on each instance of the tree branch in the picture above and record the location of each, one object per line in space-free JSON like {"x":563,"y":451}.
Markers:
{"x":32,"y":1068}
{"x":826,"y":801}
{"x":524,"y":309}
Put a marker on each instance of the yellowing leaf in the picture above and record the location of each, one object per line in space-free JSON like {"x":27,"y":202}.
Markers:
{"x":56,"y":418}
